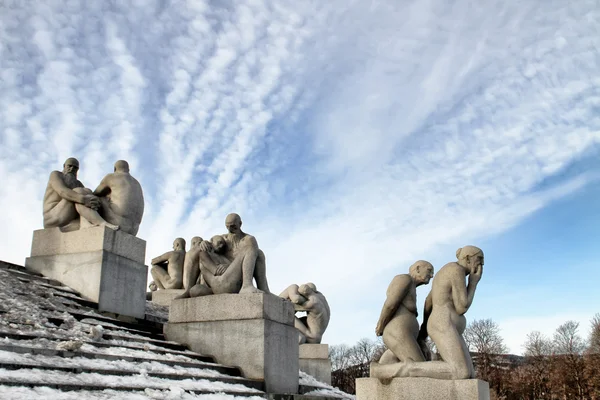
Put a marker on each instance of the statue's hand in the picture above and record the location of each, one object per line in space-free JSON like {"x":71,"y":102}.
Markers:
{"x":206,"y":246}
{"x":91,"y":201}
{"x":475,"y":276}
{"x":379,"y":329}
{"x":221,"y":268}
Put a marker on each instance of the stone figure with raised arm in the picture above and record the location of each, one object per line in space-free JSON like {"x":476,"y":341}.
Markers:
{"x":121,"y":199}
{"x":398,"y":320}
{"x":167,"y":269}
{"x":306,"y":298}
{"x":230,"y":262}
{"x":67,"y":203}
{"x":444,"y":321}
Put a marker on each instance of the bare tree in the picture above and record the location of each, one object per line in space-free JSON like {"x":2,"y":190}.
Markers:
{"x":483,"y":337}
{"x":570,"y":364}
{"x":594,"y":345}
{"x":538,"y":352}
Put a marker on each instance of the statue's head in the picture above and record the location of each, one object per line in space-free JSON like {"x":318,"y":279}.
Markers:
{"x":421,"y":271}
{"x":233,"y":223}
{"x":71,"y":166}
{"x":179,"y":244}
{"x":196,"y":240}
{"x":121,"y":166}
{"x":307,"y":289}
{"x":218,"y":243}
{"x":470,"y":257}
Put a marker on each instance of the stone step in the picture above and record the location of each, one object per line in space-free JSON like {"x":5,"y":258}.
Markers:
{"x":25,"y":276}
{"x":155,"y":336}
{"x":156,"y":342}
{"x":22,"y":349}
{"x":140,"y":326}
{"x":10,"y":266}
{"x":33,"y":336}
{"x":251,"y":383}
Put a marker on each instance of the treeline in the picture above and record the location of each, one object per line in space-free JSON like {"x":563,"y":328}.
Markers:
{"x":564,"y":366}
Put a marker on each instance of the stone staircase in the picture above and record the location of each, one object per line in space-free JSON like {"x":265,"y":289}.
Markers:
{"x":53,"y":342}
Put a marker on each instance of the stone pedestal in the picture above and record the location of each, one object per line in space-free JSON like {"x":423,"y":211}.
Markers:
{"x":422,"y":389}
{"x":314,"y":360}
{"x":103,"y":265}
{"x":165,"y":296}
{"x":254,"y":332}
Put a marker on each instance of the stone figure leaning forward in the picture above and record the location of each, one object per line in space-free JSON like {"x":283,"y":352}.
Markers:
{"x":444,"y":322}
{"x":228,"y":264}
{"x":306,"y":298}
{"x":118,"y":201}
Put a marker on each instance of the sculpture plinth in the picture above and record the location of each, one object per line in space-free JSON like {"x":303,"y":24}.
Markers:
{"x":164,"y":297}
{"x":254,"y":332}
{"x":422,"y":389}
{"x":103,"y":265}
{"x":314,"y":360}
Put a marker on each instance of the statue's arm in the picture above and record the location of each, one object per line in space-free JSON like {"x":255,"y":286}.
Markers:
{"x":308,"y":305}
{"x":103,"y":188}
{"x":426,"y":313}
{"x":58,"y":185}
{"x":395,"y":295}
{"x":462,"y":295}
{"x":162,"y":258}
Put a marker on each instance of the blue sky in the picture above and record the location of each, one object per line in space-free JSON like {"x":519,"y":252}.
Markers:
{"x":352,"y":137}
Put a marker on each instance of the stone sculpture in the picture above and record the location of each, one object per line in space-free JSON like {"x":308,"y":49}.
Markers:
{"x":167,"y":269}
{"x":66,"y":201}
{"x":444,"y":322}
{"x":191,"y":265}
{"x":306,"y":298}
{"x":398,"y":320}
{"x":117,"y":203}
{"x":228,"y":263}
{"x":121,"y":199}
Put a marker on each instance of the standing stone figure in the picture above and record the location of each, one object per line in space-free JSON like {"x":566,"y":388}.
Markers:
{"x":67,"y":201}
{"x":398,"y":320}
{"x":121,"y":199}
{"x":306,"y":298}
{"x":444,"y":321}
{"x":229,"y":263}
{"x":167,"y":269}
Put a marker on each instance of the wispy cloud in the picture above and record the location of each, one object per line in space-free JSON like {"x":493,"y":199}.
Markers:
{"x":353,"y":138}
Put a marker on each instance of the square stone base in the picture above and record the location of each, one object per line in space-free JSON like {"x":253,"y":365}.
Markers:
{"x":164,"y":297}
{"x":254,"y":332}
{"x":422,"y":389}
{"x":314,"y":360}
{"x":104,"y":266}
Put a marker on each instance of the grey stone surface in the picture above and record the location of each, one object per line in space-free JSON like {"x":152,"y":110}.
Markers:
{"x":240,"y":331}
{"x":422,"y":389}
{"x":95,"y":263}
{"x":314,"y":360}
{"x":49,"y":242}
{"x":444,"y":322}
{"x":164,"y":297}
{"x":241,"y":306}
{"x":307,"y":298}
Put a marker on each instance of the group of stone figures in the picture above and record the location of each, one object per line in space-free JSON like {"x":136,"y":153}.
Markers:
{"x":407,"y":353}
{"x":229,"y":263}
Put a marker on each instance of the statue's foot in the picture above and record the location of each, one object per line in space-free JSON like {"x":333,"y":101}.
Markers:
{"x":152,"y":286}
{"x":250,"y":289}
{"x":389,"y":371}
{"x":183,"y":295}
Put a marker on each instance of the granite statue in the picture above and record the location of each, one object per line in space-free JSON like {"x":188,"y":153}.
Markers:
{"x":117,"y":203}
{"x":444,"y":322}
{"x":306,"y":298}
{"x":398,"y":320}
{"x":121,"y":199}
{"x":228,"y":264}
{"x":167,"y":269}
{"x":67,"y":202}
{"x":191,"y":264}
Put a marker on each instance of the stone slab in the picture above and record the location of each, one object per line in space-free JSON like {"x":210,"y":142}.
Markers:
{"x":164,"y":297}
{"x":262,"y":347}
{"x":319,"y":351}
{"x":422,"y":389}
{"x":50,"y":242}
{"x":232,"y":307}
{"x":116,"y":283}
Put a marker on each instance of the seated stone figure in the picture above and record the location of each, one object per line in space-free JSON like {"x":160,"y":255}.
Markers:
{"x":67,"y":202}
{"x":121,"y":199}
{"x":167,"y":269}
{"x":398,"y":320}
{"x":444,"y":322}
{"x":306,"y":298}
{"x":191,"y":265}
{"x":228,"y":263}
